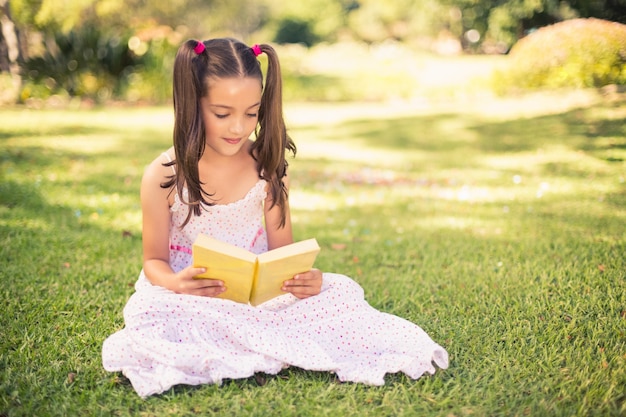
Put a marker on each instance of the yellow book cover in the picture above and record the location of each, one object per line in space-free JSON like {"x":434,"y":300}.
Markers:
{"x":251,"y":278}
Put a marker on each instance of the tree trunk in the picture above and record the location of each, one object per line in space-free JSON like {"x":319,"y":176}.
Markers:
{"x":9,"y":35}
{"x":9,"y":53}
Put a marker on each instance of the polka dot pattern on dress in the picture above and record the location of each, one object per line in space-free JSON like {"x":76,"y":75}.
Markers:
{"x":172,"y":339}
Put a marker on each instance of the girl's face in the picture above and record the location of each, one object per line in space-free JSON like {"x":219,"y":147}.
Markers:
{"x":230,"y":113}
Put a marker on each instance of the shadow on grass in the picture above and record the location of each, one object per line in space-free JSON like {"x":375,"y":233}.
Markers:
{"x":53,"y":207}
{"x":13,"y":194}
{"x":449,"y":141}
{"x":103,"y":161}
{"x":447,"y":264}
{"x":441,"y":134}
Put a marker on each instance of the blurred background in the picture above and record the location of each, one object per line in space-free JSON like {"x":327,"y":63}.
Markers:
{"x":90,"y":52}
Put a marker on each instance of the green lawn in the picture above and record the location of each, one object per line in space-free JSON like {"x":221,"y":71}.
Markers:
{"x":496,"y":225}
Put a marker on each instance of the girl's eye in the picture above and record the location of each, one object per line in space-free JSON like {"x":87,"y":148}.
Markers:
{"x":252,"y":114}
{"x":221,"y":116}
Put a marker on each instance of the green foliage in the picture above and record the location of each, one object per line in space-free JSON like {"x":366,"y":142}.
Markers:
{"x":100,"y":66}
{"x":512,"y":19}
{"x":81,"y":63}
{"x":53,"y":16}
{"x":305,"y":21}
{"x":502,"y":235}
{"x":405,"y":20}
{"x":291,"y":30}
{"x":576,"y":53}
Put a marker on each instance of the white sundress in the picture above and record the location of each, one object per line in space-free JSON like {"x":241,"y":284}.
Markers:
{"x":171,"y":339}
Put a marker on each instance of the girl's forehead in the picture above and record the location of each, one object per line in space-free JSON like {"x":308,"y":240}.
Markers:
{"x":234,"y":88}
{"x":234,"y":92}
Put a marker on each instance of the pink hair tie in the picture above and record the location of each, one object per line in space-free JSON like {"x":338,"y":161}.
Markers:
{"x":199,"y":48}
{"x":256,"y":49}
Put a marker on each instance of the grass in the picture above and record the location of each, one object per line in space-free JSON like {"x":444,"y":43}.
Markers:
{"x":498,"y":227}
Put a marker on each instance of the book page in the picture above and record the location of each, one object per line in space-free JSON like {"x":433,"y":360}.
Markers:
{"x":279,"y":265}
{"x":226,"y":262}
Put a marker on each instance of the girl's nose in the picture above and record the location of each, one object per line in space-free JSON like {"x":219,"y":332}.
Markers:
{"x":236,"y":126}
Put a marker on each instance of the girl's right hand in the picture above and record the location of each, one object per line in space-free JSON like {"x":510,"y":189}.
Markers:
{"x":186,"y":284}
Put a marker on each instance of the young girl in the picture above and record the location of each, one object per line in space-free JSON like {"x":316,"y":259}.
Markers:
{"x":217,"y":181}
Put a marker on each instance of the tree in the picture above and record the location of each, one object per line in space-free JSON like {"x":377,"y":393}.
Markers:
{"x":10,"y":54}
{"x":614,"y":10}
{"x":402,"y":20}
{"x":106,"y":48}
{"x":506,"y":21}
{"x":9,"y":40}
{"x":305,"y":21}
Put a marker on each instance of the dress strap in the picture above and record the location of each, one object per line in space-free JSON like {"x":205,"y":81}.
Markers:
{"x":169,"y":159}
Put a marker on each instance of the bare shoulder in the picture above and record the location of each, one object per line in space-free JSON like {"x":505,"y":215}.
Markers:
{"x":156,"y":174}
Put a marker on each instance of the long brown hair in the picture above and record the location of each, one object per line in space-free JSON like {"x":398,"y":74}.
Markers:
{"x":226,"y":58}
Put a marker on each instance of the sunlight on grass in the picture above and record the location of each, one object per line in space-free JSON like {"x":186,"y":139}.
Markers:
{"x":87,"y":143}
{"x":301,"y":114}
{"x":353,"y":152}
{"x":534,"y":162}
{"x":112,"y":118}
{"x":38,"y":225}
{"x":499,"y":229}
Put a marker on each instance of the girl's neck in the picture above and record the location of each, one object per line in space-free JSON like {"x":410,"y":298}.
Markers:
{"x":216,"y":161}
{"x":228,"y":178}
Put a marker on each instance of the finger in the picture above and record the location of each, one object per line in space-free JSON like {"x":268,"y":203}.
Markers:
{"x":300,"y":279}
{"x":303,"y":294}
{"x":208,"y":291}
{"x":303,"y":282}
{"x":206,"y":282}
{"x":212,"y":283}
{"x":209,"y":287}
{"x":310,"y":289}
{"x":197,"y":271}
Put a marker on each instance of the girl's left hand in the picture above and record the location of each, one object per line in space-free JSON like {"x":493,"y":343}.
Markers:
{"x":305,"y":284}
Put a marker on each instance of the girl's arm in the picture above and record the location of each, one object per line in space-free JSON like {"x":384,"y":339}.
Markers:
{"x":277,"y":236}
{"x":156,"y":223}
{"x":305,"y":284}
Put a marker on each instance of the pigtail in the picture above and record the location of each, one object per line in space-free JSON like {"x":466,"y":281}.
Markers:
{"x":189,"y":134}
{"x":273,"y":142}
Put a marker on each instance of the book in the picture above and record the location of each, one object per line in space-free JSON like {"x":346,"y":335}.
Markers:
{"x":251,"y":278}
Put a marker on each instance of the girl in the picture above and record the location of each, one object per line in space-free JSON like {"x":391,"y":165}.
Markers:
{"x":217,"y":181}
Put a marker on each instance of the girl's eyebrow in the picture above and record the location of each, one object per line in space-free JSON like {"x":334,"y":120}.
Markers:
{"x":223,"y":106}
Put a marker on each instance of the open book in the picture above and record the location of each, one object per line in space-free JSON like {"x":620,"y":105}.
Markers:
{"x":251,"y":278}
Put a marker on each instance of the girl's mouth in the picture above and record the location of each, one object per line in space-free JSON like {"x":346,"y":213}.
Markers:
{"x":233,"y":141}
